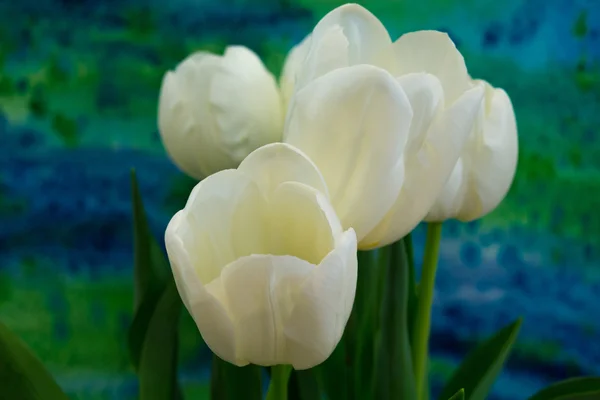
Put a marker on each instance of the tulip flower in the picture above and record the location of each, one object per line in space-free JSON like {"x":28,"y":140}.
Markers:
{"x":384,"y":122}
{"x":215,"y":110}
{"x":262,"y":263}
{"x":487,"y":166}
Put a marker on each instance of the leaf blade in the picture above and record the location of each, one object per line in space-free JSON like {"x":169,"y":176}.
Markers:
{"x":150,"y":274}
{"x":478,"y":371}
{"x":303,"y":385}
{"x":460,"y":395}
{"x":393,"y":354}
{"x":229,"y":382}
{"x":569,"y":389}
{"x":22,"y":374}
{"x":158,"y":361}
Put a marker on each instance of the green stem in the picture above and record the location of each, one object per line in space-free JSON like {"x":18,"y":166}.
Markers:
{"x":423,"y":317}
{"x":278,"y":388}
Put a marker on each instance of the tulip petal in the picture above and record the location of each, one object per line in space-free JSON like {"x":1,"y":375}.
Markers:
{"x":348,"y":35}
{"x":435,"y":53}
{"x":212,"y":319}
{"x":245,"y":99}
{"x":258,"y":291}
{"x":426,"y":97}
{"x":322,"y":306}
{"x":428,"y":170}
{"x":453,"y":197}
{"x":302,"y":223}
{"x":291,"y":67}
{"x":271,"y":165}
{"x":222,"y":222}
{"x":353,"y":123}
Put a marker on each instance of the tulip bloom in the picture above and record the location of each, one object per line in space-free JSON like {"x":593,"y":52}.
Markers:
{"x":262,"y":263}
{"x":215,"y":110}
{"x":487,"y":166}
{"x":384,"y":122}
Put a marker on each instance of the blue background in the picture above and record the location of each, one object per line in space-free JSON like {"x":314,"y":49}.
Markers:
{"x":79,"y":82}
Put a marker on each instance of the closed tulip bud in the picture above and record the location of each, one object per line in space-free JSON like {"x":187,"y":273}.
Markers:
{"x":262,"y":263}
{"x":215,"y":110}
{"x":487,"y":166}
{"x":384,"y":121}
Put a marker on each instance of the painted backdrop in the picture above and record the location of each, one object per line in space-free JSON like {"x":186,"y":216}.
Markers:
{"x":78,"y":96}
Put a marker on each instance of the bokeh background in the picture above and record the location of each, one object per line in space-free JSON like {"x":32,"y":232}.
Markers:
{"x":79,"y":81}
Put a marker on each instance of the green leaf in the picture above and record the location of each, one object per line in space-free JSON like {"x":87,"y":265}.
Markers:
{"x":334,"y":374}
{"x":394,"y":371}
{"x":482,"y":365}
{"x":150,"y":274}
{"x":303,"y":385}
{"x":363,"y":322}
{"x":217,"y":379}
{"x":460,"y":395}
{"x":158,"y":361}
{"x":229,"y":382}
{"x":22,"y":374}
{"x":149,"y":262}
{"x":585,"y":388}
{"x":412,"y":287}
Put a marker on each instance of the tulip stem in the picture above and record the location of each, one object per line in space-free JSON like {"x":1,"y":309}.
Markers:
{"x":278,"y":388}
{"x":425,"y":300}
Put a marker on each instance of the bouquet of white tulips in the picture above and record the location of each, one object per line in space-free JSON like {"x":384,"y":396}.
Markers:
{"x":293,"y":251}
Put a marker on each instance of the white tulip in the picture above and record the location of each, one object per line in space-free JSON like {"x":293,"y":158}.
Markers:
{"x":385,"y":135}
{"x":487,"y":166}
{"x":262,"y":263}
{"x":215,"y":110}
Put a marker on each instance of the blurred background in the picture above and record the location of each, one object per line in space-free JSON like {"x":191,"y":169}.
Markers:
{"x":79,"y":81}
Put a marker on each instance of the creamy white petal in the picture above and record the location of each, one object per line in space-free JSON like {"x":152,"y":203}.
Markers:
{"x":353,"y":123}
{"x":208,"y":312}
{"x":291,"y":67}
{"x":223,"y":218}
{"x":322,"y":306}
{"x":426,"y":96}
{"x":245,"y":99}
{"x":183,"y":110}
{"x":302,"y":222}
{"x":435,"y":53}
{"x":428,"y":170}
{"x":348,"y":35}
{"x":259,"y":291}
{"x":273,"y":164}
{"x":452,"y":197}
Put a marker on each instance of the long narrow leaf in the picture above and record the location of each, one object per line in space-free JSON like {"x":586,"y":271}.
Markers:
{"x":147,"y":276}
{"x":158,"y":362}
{"x":365,"y":317}
{"x":22,"y":374}
{"x":303,"y":385}
{"x":482,"y":365}
{"x":150,"y":276}
{"x":395,"y":377}
{"x":229,"y":382}
{"x":585,"y":388}
{"x":412,"y":286}
{"x":334,"y":374}
{"x":460,"y":395}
